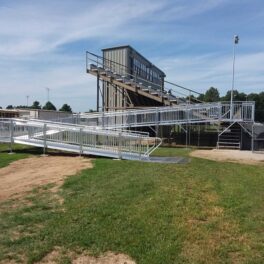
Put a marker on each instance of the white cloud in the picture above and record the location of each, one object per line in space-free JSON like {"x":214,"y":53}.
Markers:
{"x":32,"y":29}
{"x":201,"y":72}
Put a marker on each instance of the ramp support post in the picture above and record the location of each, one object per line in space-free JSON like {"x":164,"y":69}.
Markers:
{"x":252,"y":138}
{"x":97,"y":95}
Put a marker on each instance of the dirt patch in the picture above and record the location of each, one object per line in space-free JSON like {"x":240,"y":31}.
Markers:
{"x":23,"y":175}
{"x":108,"y":258}
{"x":237,"y":156}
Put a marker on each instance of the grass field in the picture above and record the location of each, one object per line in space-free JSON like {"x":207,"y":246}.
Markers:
{"x":201,"y":212}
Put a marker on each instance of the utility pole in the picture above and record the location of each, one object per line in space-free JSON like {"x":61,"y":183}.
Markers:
{"x":236,"y":40}
{"x":48,"y":94}
{"x":27,"y":100}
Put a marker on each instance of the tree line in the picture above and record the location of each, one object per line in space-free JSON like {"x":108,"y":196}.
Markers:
{"x":213,"y":95}
{"x":36,"y":105}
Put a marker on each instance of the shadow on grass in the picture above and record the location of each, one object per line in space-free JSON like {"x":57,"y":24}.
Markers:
{"x":28,"y":150}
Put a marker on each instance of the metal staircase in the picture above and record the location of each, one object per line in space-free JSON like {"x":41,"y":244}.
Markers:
{"x":118,"y":74}
{"x":230,"y":137}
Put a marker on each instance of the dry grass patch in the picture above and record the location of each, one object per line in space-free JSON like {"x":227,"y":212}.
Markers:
{"x":59,"y":255}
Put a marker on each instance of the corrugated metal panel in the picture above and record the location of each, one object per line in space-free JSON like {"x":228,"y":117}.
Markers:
{"x":114,"y":97}
{"x":123,"y":59}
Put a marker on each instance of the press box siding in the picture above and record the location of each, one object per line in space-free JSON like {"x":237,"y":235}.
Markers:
{"x":128,"y":61}
{"x":113,"y":95}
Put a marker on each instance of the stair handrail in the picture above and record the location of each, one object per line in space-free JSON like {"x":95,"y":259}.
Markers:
{"x":154,"y":147}
{"x":136,"y":77}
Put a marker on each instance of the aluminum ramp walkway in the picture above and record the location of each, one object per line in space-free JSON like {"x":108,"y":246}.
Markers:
{"x":78,"y":139}
{"x":175,"y":115}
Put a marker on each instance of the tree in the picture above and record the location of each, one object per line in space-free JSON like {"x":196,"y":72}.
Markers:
{"x":66,"y":108}
{"x":10,"y":107}
{"x":36,"y":105}
{"x":211,"y":95}
{"x":259,"y":104}
{"x":1,"y":107}
{"x":49,"y":106}
{"x":21,"y":106}
{"x":201,"y":97}
{"x":237,"y":96}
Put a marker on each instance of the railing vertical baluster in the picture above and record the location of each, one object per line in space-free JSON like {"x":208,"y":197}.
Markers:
{"x":44,"y":138}
{"x":119,"y":145}
{"x":81,"y":141}
{"x":11,"y":136}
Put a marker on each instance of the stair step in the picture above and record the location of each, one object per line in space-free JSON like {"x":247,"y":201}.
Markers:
{"x":229,"y":147}
{"x":231,"y":137}
{"x":228,"y":143}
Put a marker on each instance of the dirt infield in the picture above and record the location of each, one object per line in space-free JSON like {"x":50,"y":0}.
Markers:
{"x":237,"y":156}
{"x":23,"y":175}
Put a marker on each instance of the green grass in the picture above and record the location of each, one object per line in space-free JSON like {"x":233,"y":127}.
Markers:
{"x":20,"y":150}
{"x":201,"y":212}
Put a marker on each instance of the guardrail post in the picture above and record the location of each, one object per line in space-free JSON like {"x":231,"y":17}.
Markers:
{"x":253,"y":112}
{"x":157,"y":121}
{"x":81,"y":141}
{"x":140,"y":147}
{"x":103,"y":118}
{"x":11,"y":137}
{"x":252,"y":138}
{"x":44,"y":138}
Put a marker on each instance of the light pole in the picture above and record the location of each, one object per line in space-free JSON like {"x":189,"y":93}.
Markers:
{"x":27,"y":100}
{"x":48,"y":93}
{"x":236,"y":40}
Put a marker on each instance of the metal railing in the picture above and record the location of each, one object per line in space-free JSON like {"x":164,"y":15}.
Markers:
{"x":79,"y":139}
{"x":174,"y":115}
{"x":122,"y":72}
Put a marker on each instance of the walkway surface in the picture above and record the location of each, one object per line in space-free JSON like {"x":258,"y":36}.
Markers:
{"x":178,"y":160}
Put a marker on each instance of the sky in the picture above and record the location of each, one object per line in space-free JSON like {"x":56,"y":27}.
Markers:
{"x":43,"y":44}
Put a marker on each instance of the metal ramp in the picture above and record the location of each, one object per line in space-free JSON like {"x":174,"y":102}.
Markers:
{"x":175,"y":115}
{"x":103,"y":133}
{"x":78,"y":139}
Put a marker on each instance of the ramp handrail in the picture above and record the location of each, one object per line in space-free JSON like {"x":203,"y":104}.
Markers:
{"x":180,"y":114}
{"x":78,"y":139}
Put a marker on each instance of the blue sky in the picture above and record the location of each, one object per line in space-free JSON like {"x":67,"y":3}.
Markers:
{"x":43,"y":44}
